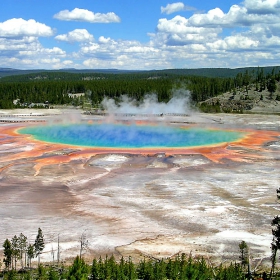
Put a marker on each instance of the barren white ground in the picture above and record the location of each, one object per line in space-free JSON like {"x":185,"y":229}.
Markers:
{"x":133,"y":205}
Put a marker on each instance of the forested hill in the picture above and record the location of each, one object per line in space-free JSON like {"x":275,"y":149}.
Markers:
{"x":78,"y":88}
{"x":16,"y":75}
{"x":9,"y":74}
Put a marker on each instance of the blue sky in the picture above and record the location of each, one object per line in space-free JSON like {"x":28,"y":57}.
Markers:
{"x":138,"y":35}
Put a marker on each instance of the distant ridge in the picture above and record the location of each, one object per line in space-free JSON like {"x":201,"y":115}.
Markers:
{"x":7,"y":69}
{"x":206,"y":72}
{"x":11,"y":71}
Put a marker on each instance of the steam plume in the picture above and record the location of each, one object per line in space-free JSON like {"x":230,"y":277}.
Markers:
{"x":178,"y":104}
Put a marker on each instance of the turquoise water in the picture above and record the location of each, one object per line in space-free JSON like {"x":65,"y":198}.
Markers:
{"x":129,"y":136}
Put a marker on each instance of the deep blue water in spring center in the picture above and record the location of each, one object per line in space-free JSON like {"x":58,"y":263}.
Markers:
{"x":129,"y":136}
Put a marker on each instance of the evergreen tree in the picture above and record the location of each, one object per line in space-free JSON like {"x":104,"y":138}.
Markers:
{"x":15,"y":250}
{"x":231,"y":272}
{"x":53,"y":275}
{"x":7,"y":253}
{"x":79,"y":270}
{"x":131,"y":270}
{"x":271,"y":86}
{"x":22,"y":248}
{"x":95,"y":270}
{"x":159,"y":270}
{"x":145,"y":270}
{"x":42,"y":273}
{"x":30,"y":253}
{"x":246,"y":80}
{"x":244,"y":253}
{"x":39,"y":244}
{"x":11,"y":275}
{"x":27,"y":276}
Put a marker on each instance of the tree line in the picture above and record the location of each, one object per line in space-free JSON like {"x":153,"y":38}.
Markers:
{"x":19,"y":249}
{"x":16,"y":92}
{"x":180,"y":266}
{"x":57,"y":92}
{"x":12,"y":75}
{"x":108,"y":268}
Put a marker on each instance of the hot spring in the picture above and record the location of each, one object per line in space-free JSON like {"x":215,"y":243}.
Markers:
{"x":124,"y":136}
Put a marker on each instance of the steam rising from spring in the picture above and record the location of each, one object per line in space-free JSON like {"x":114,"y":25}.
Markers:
{"x":178,"y":104}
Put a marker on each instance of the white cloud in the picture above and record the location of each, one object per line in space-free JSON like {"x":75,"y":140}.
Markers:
{"x":18,"y":27}
{"x":250,"y":30}
{"x":181,"y":25}
{"x":60,"y":64}
{"x":77,"y":35}
{"x":39,"y":50}
{"x":13,"y":44}
{"x":236,"y":16}
{"x":213,"y":17}
{"x":104,"y":40}
{"x":86,"y":15}
{"x":67,"y":62}
{"x":28,"y":53}
{"x":262,"y":7}
{"x":173,"y":8}
{"x":49,"y":60}
{"x":91,"y":47}
{"x":207,"y":28}
{"x":241,"y":42}
{"x":28,"y":63}
{"x":272,"y":42}
{"x":178,"y":24}
{"x":234,"y":43}
{"x":54,"y":51}
{"x":179,"y":31}
{"x":110,"y":53}
{"x":113,"y":48}
{"x":126,"y":62}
